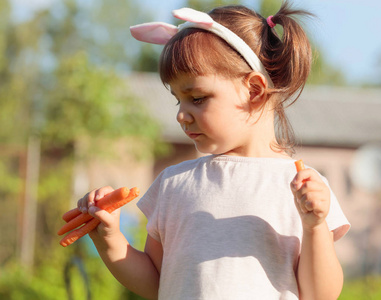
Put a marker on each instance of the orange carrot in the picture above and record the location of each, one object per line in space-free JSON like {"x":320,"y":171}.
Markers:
{"x":299,"y":165}
{"x":114,"y":196}
{"x":74,"y":223}
{"x":112,"y":203}
{"x":71,"y":214}
{"x":109,"y":204}
{"x":73,"y":236}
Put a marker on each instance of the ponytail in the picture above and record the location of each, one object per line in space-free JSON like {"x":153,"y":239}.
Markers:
{"x":288,"y":61}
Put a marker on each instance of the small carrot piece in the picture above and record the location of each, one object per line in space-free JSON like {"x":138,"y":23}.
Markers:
{"x":299,"y":165}
{"x":109,"y":204}
{"x":71,"y":214}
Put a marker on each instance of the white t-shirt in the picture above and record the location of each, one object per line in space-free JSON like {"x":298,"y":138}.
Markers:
{"x":229,"y":228}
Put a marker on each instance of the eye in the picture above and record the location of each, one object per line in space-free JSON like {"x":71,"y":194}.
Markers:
{"x":199,"y":100}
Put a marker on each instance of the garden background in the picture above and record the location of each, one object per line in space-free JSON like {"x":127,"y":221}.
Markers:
{"x":63,"y":99}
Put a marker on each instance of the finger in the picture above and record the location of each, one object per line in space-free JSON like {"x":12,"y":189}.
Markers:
{"x":106,"y":218}
{"x":308,"y":187}
{"x":304,"y":176}
{"x":82,"y":203}
{"x":298,"y":181}
{"x":312,"y":201}
{"x":100,"y":193}
{"x":295,"y":187}
{"x":298,"y":206}
{"x":91,"y":199}
{"x":309,"y":205}
{"x":301,"y":207}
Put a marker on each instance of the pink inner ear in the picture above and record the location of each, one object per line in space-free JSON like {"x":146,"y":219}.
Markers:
{"x":155,"y":33}
{"x":194,"y":16}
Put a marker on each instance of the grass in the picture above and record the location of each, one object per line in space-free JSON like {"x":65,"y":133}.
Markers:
{"x":367,"y":288}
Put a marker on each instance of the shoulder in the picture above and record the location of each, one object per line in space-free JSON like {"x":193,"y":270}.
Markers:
{"x":185,"y":166}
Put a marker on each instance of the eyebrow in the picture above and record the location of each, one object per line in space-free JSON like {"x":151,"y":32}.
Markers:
{"x":188,"y":90}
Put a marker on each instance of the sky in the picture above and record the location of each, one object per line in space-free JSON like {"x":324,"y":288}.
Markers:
{"x":347,"y":32}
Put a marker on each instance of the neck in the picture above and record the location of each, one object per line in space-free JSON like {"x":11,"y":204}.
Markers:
{"x":262,"y":140}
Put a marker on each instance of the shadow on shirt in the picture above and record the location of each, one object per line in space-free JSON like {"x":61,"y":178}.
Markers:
{"x":209,"y":239}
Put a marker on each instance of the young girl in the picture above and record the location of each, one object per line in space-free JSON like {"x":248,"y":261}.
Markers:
{"x":237,"y":223}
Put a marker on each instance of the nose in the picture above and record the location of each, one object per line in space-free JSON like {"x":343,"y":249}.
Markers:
{"x":184,"y":115}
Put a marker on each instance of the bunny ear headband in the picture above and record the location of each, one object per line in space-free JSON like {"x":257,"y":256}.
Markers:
{"x":160,"y":33}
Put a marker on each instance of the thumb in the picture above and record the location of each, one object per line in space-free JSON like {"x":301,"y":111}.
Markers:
{"x":293,"y":188}
{"x":296,"y":184}
{"x":106,"y":218}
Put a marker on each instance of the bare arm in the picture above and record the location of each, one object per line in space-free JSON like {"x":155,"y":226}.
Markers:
{"x":138,"y":271}
{"x":319,"y":273}
{"x":132,"y":268}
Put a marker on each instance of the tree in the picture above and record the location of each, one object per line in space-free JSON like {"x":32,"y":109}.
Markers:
{"x":60,"y":86}
{"x":101,"y":28}
{"x":209,"y":4}
{"x":148,"y":59}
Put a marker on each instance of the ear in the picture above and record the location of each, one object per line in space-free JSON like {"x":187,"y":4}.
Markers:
{"x":257,"y":85}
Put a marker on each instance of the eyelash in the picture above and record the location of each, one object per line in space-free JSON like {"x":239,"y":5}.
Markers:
{"x":196,"y":101}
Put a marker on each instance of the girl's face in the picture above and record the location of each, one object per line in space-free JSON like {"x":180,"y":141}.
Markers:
{"x":215,"y":113}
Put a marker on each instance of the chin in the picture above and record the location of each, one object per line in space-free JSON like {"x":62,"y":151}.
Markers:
{"x":203,"y":150}
{"x":209,"y":150}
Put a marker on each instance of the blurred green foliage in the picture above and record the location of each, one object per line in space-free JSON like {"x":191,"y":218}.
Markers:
{"x":366,"y":288}
{"x":60,"y":81}
{"x":92,"y":102}
{"x":207,"y":5}
{"x":48,"y":281}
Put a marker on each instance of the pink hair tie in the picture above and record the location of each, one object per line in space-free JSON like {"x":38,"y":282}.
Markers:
{"x":270,"y":22}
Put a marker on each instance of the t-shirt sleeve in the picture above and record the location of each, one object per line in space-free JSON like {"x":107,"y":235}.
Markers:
{"x":336,"y":220}
{"x":149,"y":204}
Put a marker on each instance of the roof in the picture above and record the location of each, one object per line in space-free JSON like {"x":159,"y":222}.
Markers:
{"x":322,"y":116}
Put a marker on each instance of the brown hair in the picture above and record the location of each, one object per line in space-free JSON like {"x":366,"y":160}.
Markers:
{"x":287,"y":59}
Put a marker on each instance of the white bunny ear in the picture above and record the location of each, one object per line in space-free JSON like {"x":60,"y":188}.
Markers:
{"x":155,"y":32}
{"x":160,"y":32}
{"x":194,"y":16}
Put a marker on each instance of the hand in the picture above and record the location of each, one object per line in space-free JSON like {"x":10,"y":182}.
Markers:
{"x":312,"y":198}
{"x":109,"y":221}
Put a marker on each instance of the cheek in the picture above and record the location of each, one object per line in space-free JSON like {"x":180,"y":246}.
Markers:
{"x":212,"y":119}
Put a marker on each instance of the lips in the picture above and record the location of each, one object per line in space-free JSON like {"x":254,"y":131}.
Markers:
{"x":192,"y":135}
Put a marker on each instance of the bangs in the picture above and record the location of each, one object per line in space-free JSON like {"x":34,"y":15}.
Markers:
{"x":198,"y":52}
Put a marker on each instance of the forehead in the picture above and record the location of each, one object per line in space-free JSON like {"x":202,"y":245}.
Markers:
{"x":198,"y":52}
{"x":186,"y":83}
